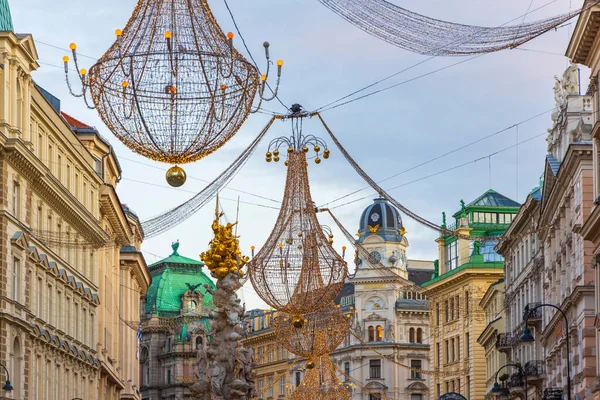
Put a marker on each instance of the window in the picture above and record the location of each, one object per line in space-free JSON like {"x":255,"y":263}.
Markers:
{"x":451,"y":256}
{"x":453,"y":351}
{"x":371,"y":334}
{"x":437,"y":354}
{"x":379,"y":333}
{"x":411,"y":335}
{"x":416,"y":397}
{"x":16,"y":278}
{"x":270,"y":353}
{"x":447,"y":354}
{"x":260,"y":354}
{"x":191,"y":305}
{"x":577,"y":191}
{"x":98,"y":166}
{"x":451,"y":309}
{"x":347,"y":369}
{"x":40,"y":302}
{"x":457,"y":304}
{"x":578,"y":257}
{"x":415,"y":369}
{"x":298,"y":379}
{"x":168,"y":377}
{"x":437,"y":313}
{"x":270,"y":383}
{"x":59,"y":313}
{"x":16,"y":211}
{"x":375,"y":369}
{"x":50,"y":306}
{"x":467,"y":303}
{"x":467,"y":348}
{"x":261,"y":386}
{"x":168,"y":345}
{"x":59,"y":168}
{"x":374,"y":396}
{"x":419,"y":335}
{"x":198,"y":342}
{"x":282,"y":385}
{"x":468,"y":388}
{"x":446,"y":311}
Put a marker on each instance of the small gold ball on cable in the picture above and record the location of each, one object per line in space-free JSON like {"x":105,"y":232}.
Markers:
{"x":269,"y":159}
{"x":317,"y":160}
{"x":275,"y":152}
{"x":73,"y":46}
{"x":269,"y":154}
{"x":331,"y":236}
{"x":290,"y":150}
{"x":297,"y":322}
{"x":305,"y":149}
{"x":276,"y":159}
{"x":285,"y":163}
{"x":317,"y":149}
{"x":176,"y":176}
{"x":66,"y":59}
{"x":326,"y":154}
{"x":310,"y":365}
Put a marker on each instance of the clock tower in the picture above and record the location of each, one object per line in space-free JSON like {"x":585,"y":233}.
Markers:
{"x":382,"y":234}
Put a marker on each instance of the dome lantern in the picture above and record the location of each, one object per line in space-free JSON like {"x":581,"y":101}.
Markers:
{"x":383,"y":219}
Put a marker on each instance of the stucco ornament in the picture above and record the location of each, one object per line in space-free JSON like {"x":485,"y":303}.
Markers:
{"x":225,"y":368}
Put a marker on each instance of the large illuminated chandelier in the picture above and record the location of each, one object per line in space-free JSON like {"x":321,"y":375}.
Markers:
{"x":297,"y":271}
{"x":320,"y":382}
{"x":172,"y":87}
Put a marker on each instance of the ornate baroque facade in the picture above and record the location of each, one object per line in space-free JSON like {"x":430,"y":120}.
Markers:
{"x":67,"y":293}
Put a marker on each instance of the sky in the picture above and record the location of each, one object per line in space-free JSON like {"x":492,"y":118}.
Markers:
{"x":387,"y":133}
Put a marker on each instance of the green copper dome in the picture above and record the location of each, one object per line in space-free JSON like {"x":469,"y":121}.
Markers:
{"x":171,"y":278}
{"x":5,"y":17}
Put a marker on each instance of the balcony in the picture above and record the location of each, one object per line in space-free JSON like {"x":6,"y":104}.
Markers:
{"x":516,"y":381}
{"x":504,"y":342}
{"x":534,"y":370}
{"x":535,"y":315}
{"x":553,"y":394}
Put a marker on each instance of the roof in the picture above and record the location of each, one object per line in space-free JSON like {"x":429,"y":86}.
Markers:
{"x":419,"y":276}
{"x":554,"y":163}
{"x":73,"y":122}
{"x":6,"y":23}
{"x":171,"y":278}
{"x":491,"y":198}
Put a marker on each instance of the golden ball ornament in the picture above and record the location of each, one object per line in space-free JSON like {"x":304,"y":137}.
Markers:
{"x":276,"y":159}
{"x":176,"y":176}
{"x":305,"y":149}
{"x":326,"y":154}
{"x":275,"y":153}
{"x":297,"y":322}
{"x":269,"y":154}
{"x":290,"y":150}
{"x":285,"y":163}
{"x":269,"y":159}
{"x":317,"y":160}
{"x":317,"y":149}
{"x":310,"y":365}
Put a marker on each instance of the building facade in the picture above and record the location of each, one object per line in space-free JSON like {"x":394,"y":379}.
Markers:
{"x":174,"y":319}
{"x":568,"y":274}
{"x":467,"y":268}
{"x":388,"y":349}
{"x":523,"y":285}
{"x":492,"y":305}
{"x":584,"y":49}
{"x":61,"y":228}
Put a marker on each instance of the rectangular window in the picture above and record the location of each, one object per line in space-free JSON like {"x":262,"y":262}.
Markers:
{"x":457,"y":303}
{"x":577,"y":190}
{"x":168,"y":377}
{"x":40,"y":219}
{"x":59,"y":168}
{"x":446,"y":311}
{"x":466,"y":303}
{"x":16,"y":211}
{"x":270,"y":353}
{"x":452,"y":350}
{"x":40,"y":302}
{"x":415,"y":369}
{"x":437,"y":313}
{"x":447,"y":353}
{"x":50,"y":306}
{"x":261,"y":387}
{"x":467,"y":347}
{"x":16,"y":279}
{"x":437,"y":354}
{"x":68,"y":177}
{"x":270,"y":383}
{"x":298,"y":379}
{"x":282,"y":385}
{"x":451,"y":309}
{"x":347,"y":370}
{"x":375,"y":369}
{"x":59,"y":311}
{"x":98,"y":166}
{"x":578,"y":257}
{"x":468,"y":388}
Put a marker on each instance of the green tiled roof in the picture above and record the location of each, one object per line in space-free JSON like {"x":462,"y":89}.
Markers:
{"x":171,"y":278}
{"x":491,"y":198}
{"x":5,"y":17}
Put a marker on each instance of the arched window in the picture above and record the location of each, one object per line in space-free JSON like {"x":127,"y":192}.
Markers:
{"x":379,"y":333}
{"x":145,"y":368}
{"x":198,"y":342}
{"x":419,"y":335}
{"x":16,"y":375}
{"x":191,"y":305}
{"x":411,"y":335}
{"x":371,"y":334}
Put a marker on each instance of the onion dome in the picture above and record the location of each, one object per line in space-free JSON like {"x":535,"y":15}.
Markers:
{"x":171,"y":278}
{"x":383,"y":219}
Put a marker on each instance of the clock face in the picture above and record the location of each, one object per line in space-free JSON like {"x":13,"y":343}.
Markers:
{"x":375,"y":256}
{"x":374,"y":303}
{"x":374,"y":217}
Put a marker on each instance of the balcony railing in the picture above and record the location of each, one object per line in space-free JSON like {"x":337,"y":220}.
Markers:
{"x":553,"y":394}
{"x":516,"y":380}
{"x":504,"y":341}
{"x":534,"y":368}
{"x":534,"y":314}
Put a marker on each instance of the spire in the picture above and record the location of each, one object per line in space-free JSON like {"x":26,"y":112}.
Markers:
{"x":5,"y":17}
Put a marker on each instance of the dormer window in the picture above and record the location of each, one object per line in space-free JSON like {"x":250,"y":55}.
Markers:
{"x":191,"y":305}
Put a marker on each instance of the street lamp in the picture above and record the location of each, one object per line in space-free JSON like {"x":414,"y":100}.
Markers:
{"x":7,"y":386}
{"x":527,"y":337}
{"x":496,"y":389}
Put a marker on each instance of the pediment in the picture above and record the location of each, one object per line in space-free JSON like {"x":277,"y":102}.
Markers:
{"x":26,"y":41}
{"x":19,"y":240}
{"x":417,"y":386}
{"x":375,"y":385}
{"x":375,"y":317}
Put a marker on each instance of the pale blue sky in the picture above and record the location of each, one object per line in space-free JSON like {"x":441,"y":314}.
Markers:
{"x":326,"y":58}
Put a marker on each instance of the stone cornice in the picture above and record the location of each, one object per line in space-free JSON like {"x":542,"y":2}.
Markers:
{"x":135,"y":263}
{"x":49,"y":189}
{"x":591,"y":227}
{"x":584,"y":44}
{"x":566,"y":305}
{"x":111,"y":207}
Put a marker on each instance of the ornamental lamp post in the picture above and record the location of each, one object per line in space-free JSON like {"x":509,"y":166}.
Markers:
{"x":7,"y":386}
{"x":497,"y":389}
{"x":527,"y":337}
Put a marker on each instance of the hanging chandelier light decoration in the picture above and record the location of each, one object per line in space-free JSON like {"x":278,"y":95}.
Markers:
{"x":429,"y":36}
{"x":297,"y":271}
{"x":320,"y":333}
{"x":320,"y":382}
{"x":172,"y":87}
